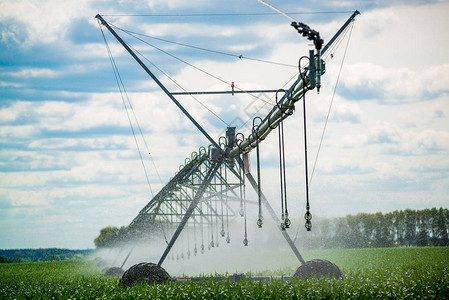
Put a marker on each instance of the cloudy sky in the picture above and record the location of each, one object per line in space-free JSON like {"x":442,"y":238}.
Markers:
{"x":69,"y":164}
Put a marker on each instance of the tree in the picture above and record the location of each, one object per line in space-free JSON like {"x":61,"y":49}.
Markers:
{"x":78,"y":256}
{"x":441,"y":227}
{"x":18,"y":256}
{"x":398,"y":227}
{"x":341,"y":233}
{"x":108,"y":237}
{"x":382,"y":231}
{"x":368,"y":224}
{"x":421,"y":238}
{"x":355,"y":239}
{"x":424,"y":227}
{"x":4,"y":259}
{"x":410,"y":226}
{"x":326,"y":233}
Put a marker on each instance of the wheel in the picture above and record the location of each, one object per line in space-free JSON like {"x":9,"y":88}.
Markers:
{"x":100,"y":262}
{"x":318,"y":268}
{"x":144,"y":272}
{"x":113,"y":272}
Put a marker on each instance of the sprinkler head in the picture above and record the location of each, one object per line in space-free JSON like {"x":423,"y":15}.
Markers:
{"x":287,"y":222}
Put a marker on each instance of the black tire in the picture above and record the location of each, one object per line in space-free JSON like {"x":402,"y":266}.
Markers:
{"x":100,"y":262}
{"x":318,"y":268}
{"x":144,"y":272}
{"x":113,"y":272}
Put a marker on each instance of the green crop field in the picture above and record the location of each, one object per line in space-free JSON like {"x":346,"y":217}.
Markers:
{"x":395,"y":273}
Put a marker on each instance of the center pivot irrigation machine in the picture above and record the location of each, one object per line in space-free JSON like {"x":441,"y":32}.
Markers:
{"x":209,"y":188}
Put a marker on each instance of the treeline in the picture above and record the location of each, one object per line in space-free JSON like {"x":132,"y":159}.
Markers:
{"x":32,"y":255}
{"x":112,"y":236}
{"x":427,"y":227}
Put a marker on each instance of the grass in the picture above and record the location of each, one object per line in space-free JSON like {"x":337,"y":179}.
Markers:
{"x":351,"y":259}
{"x":387,"y":273}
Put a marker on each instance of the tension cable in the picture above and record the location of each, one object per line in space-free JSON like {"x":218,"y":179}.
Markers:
{"x":122,"y":90}
{"x":307,"y":215}
{"x":176,"y":83}
{"x":330,"y":105}
{"x":240,"y":56}
{"x":132,"y":34}
{"x":242,"y":172}
{"x":259,"y":191}
{"x":226,"y":14}
{"x":285,"y":221}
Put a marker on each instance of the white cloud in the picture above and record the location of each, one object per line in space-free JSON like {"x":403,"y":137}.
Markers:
{"x":184,"y":30}
{"x":396,"y":140}
{"x":426,"y":141}
{"x":33,"y":73}
{"x":171,"y":4}
{"x":10,"y":113}
{"x":375,"y":23}
{"x":345,"y":112}
{"x":406,"y":35}
{"x":26,"y":198}
{"x":6,"y":84}
{"x":102,"y":110}
{"x":44,"y":21}
{"x":393,"y":84}
{"x":18,"y":132}
{"x":384,"y":152}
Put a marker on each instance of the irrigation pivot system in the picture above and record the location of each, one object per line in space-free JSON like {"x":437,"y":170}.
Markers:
{"x":209,"y":189}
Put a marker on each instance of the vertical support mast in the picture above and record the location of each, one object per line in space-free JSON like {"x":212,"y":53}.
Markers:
{"x":163,"y":88}
{"x":332,"y":40}
{"x":294,"y":93}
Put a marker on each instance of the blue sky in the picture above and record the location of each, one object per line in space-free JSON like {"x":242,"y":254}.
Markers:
{"x":68,"y":162}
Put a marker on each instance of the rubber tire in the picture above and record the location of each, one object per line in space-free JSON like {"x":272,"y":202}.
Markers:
{"x":318,"y":268}
{"x":113,"y":272}
{"x":144,"y":272}
{"x":100,"y":262}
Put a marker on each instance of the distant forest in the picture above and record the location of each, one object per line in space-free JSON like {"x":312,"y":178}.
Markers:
{"x":32,"y":255}
{"x":427,"y":227}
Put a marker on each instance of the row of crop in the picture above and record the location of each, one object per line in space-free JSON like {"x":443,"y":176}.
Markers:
{"x":424,"y":281}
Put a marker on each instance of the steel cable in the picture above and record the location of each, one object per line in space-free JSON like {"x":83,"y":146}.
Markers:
{"x":123,"y":90}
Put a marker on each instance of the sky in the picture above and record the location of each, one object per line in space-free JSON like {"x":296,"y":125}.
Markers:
{"x":69,"y":164}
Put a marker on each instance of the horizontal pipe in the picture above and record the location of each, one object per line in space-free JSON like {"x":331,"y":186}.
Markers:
{"x":234,"y":277}
{"x":272,"y":120}
{"x":224,"y":92}
{"x":277,"y":114}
